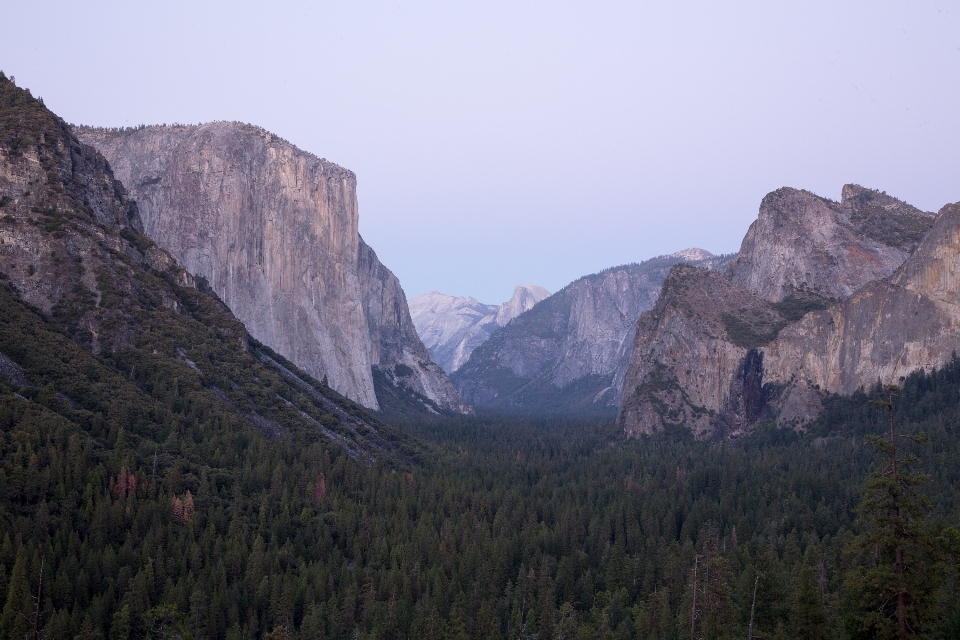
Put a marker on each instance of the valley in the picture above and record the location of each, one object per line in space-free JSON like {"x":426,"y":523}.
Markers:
{"x":220,"y":416}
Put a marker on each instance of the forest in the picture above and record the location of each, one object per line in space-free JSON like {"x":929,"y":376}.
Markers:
{"x":188,"y":522}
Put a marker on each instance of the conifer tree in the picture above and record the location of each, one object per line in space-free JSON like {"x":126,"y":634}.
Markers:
{"x":891,"y":585}
{"x":808,"y":619}
{"x":15,"y":620}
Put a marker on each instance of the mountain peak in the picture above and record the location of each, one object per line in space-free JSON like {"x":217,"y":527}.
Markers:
{"x":801,"y":242}
{"x":274,"y":229}
{"x":451,"y":327}
{"x":693,"y":253}
{"x":525,"y":296}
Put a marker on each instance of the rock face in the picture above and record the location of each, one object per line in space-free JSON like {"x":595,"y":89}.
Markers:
{"x":524,"y":298}
{"x":452,"y":327}
{"x":71,"y":248}
{"x":808,"y":246}
{"x":64,"y":224}
{"x":700,"y":357}
{"x":273,"y":230}
{"x":886,"y":330}
{"x":569,"y":353}
{"x":690,"y":357}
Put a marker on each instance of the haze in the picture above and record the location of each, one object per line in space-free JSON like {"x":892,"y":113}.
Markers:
{"x":498,"y":143}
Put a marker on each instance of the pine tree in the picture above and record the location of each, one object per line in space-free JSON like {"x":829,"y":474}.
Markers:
{"x":891,"y":585}
{"x":17,"y":612}
{"x":120,"y":626}
{"x":807,"y":617}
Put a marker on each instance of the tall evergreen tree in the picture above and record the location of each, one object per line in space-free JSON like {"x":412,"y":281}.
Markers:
{"x":808,"y":619}
{"x":15,"y":622}
{"x":891,"y":585}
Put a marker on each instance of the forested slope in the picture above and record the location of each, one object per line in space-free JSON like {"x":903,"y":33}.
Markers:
{"x":513,"y":527}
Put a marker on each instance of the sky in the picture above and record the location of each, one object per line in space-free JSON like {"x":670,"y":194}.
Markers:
{"x":503,"y":143}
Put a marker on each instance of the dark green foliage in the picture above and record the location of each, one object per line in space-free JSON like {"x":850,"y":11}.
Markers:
{"x":893,"y":581}
{"x":540,"y":397}
{"x":749,"y":330}
{"x":800,"y":302}
{"x":900,"y":227}
{"x":540,"y":525}
{"x":508,"y":525}
{"x":808,"y":618}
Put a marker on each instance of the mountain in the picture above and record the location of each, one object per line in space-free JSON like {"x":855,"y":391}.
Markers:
{"x":273,"y":231}
{"x":452,"y":327}
{"x":883,"y":332}
{"x":808,"y":246}
{"x":699,"y":356}
{"x":524,"y":298}
{"x":692,"y":356}
{"x":104,"y":335}
{"x":570,"y":352}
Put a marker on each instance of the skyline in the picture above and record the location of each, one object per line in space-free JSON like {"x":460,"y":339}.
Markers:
{"x":523,"y":143}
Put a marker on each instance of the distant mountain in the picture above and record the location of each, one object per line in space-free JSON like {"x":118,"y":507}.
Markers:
{"x":569,"y":353}
{"x":273,"y":230}
{"x":452,"y":327}
{"x":718,"y":353}
{"x":524,"y":298}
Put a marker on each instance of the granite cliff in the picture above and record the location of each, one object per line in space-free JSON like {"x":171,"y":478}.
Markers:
{"x":883,"y":332}
{"x":103,"y":327}
{"x":452,"y":327}
{"x":802,"y":244}
{"x":699,"y":356}
{"x":570,"y":352}
{"x":688,"y":352}
{"x":274,"y":233}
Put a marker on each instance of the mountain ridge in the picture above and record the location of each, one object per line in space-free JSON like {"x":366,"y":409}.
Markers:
{"x":570,"y":351}
{"x":114,"y":333}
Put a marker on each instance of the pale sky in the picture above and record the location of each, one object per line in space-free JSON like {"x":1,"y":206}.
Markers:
{"x":502,"y":143}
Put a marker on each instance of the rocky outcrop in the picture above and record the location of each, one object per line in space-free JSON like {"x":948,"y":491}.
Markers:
{"x":273,"y":231}
{"x":65,"y":224}
{"x":569,"y":352}
{"x":695,"y":362}
{"x":452,"y":327}
{"x":802,"y":254}
{"x":807,"y":247}
{"x":883,"y":332}
{"x":524,"y":298}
